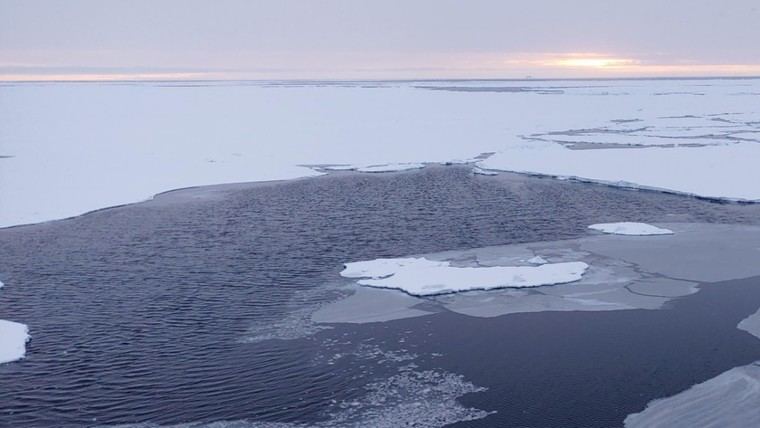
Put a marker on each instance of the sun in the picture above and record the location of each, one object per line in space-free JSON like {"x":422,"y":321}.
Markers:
{"x":595,"y":62}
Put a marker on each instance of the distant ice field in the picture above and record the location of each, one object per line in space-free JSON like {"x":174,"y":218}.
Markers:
{"x":218,"y":306}
{"x":66,"y":149}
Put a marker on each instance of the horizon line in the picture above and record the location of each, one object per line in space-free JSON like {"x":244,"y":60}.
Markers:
{"x":425,"y":79}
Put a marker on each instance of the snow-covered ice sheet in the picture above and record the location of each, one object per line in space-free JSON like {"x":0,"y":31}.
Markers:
{"x":13,"y":338}
{"x":423,"y":277}
{"x":66,"y":149}
{"x":630,"y":228}
{"x":720,"y":172}
{"x":730,"y":400}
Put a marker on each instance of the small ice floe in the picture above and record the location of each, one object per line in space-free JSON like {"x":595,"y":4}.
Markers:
{"x":751,"y":324}
{"x":728,"y":400}
{"x":538,"y":260}
{"x":630,"y":228}
{"x":423,"y":277}
{"x":339,"y":167}
{"x":13,"y":338}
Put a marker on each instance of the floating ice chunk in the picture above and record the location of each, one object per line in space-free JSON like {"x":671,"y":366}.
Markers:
{"x":751,"y":324}
{"x":728,"y":400}
{"x":339,"y":167}
{"x":630,"y":228}
{"x":481,"y":171}
{"x":13,"y":338}
{"x":538,"y":260}
{"x":391,"y":167}
{"x":423,"y":277}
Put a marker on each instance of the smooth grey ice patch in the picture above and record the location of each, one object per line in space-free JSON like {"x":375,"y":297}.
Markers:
{"x":695,"y":252}
{"x":370,"y":305}
{"x":624,"y":272}
{"x":730,"y":400}
{"x":751,"y":324}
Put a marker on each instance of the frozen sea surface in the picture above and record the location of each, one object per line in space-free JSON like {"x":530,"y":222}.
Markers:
{"x":124,"y":142}
{"x":203,"y":305}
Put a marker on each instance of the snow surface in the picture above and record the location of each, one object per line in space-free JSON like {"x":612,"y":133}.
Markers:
{"x":423,"y":277}
{"x":718,"y":172}
{"x":13,"y":338}
{"x":66,"y":149}
{"x":630,"y":228}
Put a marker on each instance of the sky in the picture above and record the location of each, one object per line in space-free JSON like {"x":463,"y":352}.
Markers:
{"x":367,"y":39}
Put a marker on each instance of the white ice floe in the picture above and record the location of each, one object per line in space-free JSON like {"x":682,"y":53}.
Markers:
{"x":729,"y":400}
{"x":537,"y":260}
{"x":89,"y":146}
{"x":623,"y":274}
{"x":630,"y":228}
{"x":423,"y":277}
{"x":13,"y":338}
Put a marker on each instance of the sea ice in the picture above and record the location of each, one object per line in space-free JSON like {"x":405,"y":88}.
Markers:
{"x":751,"y":324}
{"x":13,"y":338}
{"x":717,"y":172}
{"x":630,"y":228}
{"x":97,"y":135}
{"x":423,"y":277}
{"x":622,"y":274}
{"x":728,"y":400}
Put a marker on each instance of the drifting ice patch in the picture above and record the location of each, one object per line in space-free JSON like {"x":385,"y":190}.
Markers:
{"x":728,"y":400}
{"x":13,"y":338}
{"x":538,"y":260}
{"x":630,"y":228}
{"x":751,"y":324}
{"x":423,"y":277}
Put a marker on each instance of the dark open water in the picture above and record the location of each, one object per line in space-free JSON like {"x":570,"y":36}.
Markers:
{"x":158,"y":312}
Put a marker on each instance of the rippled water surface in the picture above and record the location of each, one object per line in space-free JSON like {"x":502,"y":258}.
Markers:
{"x":197,"y":308}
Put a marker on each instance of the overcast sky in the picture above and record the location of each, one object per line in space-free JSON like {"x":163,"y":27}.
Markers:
{"x":377,"y":39}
